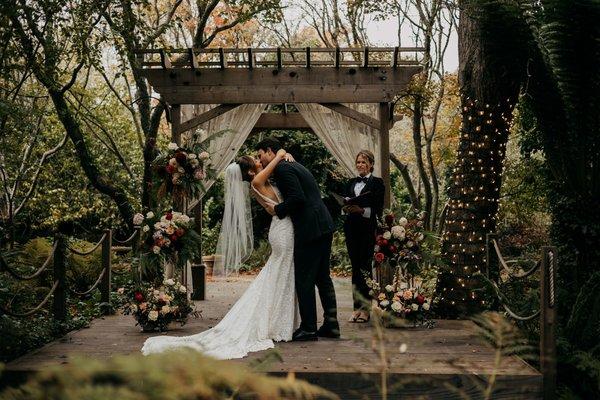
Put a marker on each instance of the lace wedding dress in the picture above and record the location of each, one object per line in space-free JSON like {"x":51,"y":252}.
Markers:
{"x":265,"y":313}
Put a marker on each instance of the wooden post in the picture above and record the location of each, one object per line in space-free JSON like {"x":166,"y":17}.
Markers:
{"x":106,"y":265}
{"x":548,"y":322}
{"x":384,"y":155}
{"x":175,"y":123}
{"x":198,"y":268}
{"x":59,"y":307}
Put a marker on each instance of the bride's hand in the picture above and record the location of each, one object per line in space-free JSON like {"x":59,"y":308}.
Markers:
{"x":288,"y":157}
{"x":281,"y":153}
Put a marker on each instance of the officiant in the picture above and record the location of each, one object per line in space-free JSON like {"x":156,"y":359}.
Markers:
{"x":364,"y":204}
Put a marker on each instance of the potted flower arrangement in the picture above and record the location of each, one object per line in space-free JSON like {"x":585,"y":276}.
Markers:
{"x":398,"y":303}
{"x":398,"y":247}
{"x":155,"y":308}
{"x":166,"y":238}
{"x":179,"y":171}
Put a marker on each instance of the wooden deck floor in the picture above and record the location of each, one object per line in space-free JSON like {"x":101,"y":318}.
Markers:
{"x":438,"y":363}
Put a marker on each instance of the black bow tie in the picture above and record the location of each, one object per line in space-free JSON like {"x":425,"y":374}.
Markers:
{"x":363,"y":179}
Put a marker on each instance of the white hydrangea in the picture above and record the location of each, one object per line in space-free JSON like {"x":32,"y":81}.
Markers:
{"x":170,"y":282}
{"x":133,"y":308}
{"x":172,"y":162}
{"x":182,"y":289}
{"x":138,"y":218}
{"x":194,"y":163}
{"x":403,"y":221}
{"x":173,"y":146}
{"x":156,"y":234}
{"x":191,"y":156}
{"x":384,"y":303}
{"x":420,"y":237}
{"x":396,"y":306}
{"x":156,"y":249}
{"x":389,"y":288}
{"x":146,"y":228}
{"x":398,"y":232}
{"x":204,"y":155}
{"x":376,"y":248}
{"x":426,"y":306}
{"x":414,"y":307}
{"x":167,"y":242}
{"x":165,"y":309}
{"x":153,"y":315}
{"x":410,"y":243}
{"x":387,"y":235}
{"x":149,"y":214}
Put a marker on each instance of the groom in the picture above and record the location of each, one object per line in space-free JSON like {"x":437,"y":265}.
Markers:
{"x":313,"y":233}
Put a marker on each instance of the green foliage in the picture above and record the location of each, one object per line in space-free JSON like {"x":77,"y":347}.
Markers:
{"x":259,"y":256}
{"x":340,"y":262}
{"x":173,"y":375}
{"x":583,"y":327}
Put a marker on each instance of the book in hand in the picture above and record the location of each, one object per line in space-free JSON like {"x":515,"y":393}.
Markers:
{"x":342,"y":201}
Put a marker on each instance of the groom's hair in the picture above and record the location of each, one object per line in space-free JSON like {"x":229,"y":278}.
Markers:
{"x":268,"y":143}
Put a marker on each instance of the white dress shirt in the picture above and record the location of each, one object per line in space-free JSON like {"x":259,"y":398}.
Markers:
{"x":358,"y":187}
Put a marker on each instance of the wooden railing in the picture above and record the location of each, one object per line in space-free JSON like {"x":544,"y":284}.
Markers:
{"x":279,"y":57}
{"x":546,"y":312}
{"x":60,"y":288}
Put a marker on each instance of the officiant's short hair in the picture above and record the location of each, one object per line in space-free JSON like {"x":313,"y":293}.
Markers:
{"x":369,"y":156}
{"x":268,"y":143}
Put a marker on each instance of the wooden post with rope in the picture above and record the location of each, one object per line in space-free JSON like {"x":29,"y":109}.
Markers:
{"x":548,"y":322}
{"x":106,"y":278}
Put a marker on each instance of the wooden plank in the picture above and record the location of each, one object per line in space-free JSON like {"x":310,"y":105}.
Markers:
{"x":281,"y":121}
{"x":384,"y":155}
{"x":351,"y":113}
{"x":206,"y":116}
{"x":222,"y":59}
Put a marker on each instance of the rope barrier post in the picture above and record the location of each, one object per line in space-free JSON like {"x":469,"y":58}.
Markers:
{"x":548,"y":322}
{"x":59,"y":307}
{"x":199,"y":281}
{"x":106,"y":265}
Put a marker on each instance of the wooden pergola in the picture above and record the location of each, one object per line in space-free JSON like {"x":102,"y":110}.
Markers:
{"x":327,"y":76}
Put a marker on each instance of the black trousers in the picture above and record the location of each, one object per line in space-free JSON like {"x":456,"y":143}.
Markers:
{"x":311,"y":267}
{"x":360,"y":240}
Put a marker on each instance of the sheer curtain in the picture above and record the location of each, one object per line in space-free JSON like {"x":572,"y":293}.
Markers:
{"x":223,"y":148}
{"x":343,"y":136}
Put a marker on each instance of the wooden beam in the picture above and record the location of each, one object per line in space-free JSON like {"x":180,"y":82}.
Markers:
{"x":279,"y":59}
{"x":351,"y":113}
{"x":164,"y":60}
{"x":290,"y":85}
{"x":366,"y":57}
{"x":308,"y":57}
{"x":281,"y":121}
{"x":384,"y":155}
{"x":193,"y":59}
{"x":222,"y":59}
{"x":395,"y":57}
{"x":337,"y":57}
{"x":250,"y":58}
{"x":206,"y":116}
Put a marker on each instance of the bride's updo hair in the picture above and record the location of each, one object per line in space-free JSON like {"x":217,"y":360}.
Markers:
{"x":246,"y":164}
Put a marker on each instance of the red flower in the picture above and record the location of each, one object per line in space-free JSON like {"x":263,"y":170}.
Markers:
{"x":170,"y":169}
{"x":139,"y":297}
{"x":379,"y":257}
{"x":180,"y":157}
{"x":393,"y":249}
{"x":420,"y":299}
{"x":179,"y":232}
{"x":174,"y":237}
{"x":382,"y":243}
{"x":169,"y":216}
{"x":389,"y":219}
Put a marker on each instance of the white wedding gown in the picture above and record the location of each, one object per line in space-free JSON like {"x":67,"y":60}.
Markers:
{"x":266,"y":312}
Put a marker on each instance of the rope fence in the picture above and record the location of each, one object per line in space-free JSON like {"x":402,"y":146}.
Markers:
{"x":546,"y":312}
{"x":60,"y":287}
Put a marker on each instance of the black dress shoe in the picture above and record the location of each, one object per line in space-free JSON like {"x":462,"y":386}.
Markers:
{"x":304,"y":336}
{"x":326,"y":332}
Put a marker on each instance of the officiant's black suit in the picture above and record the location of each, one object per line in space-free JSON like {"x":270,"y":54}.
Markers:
{"x":313,"y":233}
{"x":360,"y":233}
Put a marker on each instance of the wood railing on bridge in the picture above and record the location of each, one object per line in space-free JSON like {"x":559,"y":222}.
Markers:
{"x":547,"y":308}
{"x":60,"y":287}
{"x":279,"y":57}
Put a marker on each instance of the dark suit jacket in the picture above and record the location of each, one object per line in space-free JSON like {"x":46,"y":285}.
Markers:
{"x":302,"y":202}
{"x":373,"y":199}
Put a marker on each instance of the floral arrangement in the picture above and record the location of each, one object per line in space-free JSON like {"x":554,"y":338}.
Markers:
{"x":401,"y":302}
{"x":155,"y":308}
{"x":179,"y":171}
{"x":169,"y":237}
{"x":399,"y":240}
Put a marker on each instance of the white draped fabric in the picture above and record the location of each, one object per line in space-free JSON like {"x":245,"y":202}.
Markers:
{"x":239,"y":123}
{"x":343,"y":136}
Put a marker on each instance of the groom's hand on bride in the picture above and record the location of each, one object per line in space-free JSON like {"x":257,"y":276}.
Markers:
{"x":270,"y":209}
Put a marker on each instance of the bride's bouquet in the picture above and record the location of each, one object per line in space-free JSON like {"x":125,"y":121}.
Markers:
{"x":166,"y":238}
{"x":179,"y":171}
{"x":155,"y":308}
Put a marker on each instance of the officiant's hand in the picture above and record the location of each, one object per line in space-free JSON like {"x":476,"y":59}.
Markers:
{"x":353,"y":209}
{"x":270,"y":208}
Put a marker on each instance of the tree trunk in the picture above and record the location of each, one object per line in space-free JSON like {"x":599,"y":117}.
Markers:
{"x":490,"y":75}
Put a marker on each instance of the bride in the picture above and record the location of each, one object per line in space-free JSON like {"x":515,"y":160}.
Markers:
{"x":267,"y":311}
